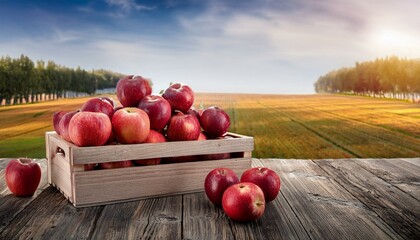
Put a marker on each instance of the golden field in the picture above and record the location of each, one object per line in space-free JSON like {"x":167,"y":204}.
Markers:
{"x":283,"y":126}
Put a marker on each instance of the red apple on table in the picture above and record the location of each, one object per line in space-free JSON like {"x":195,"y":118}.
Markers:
{"x":180,"y":96}
{"x":130,"y":125}
{"x":153,"y":137}
{"x":131,"y":89}
{"x":266,"y":179}
{"x":119,"y":164}
{"x":56,"y":120}
{"x":214,"y":121}
{"x":243,"y":202}
{"x":158,"y":109}
{"x":217,"y":181}
{"x":22,"y":176}
{"x":99,"y":105}
{"x":183,"y":127}
{"x":89,"y":129}
{"x":63,"y":126}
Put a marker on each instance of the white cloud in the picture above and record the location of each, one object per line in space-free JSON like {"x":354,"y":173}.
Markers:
{"x":128,"y":5}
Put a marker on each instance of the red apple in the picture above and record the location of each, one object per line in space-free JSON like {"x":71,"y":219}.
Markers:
{"x":217,"y":181}
{"x":180,"y":159}
{"x":119,"y":164}
{"x":180,"y":96}
{"x":153,"y":137}
{"x":130,"y":125}
{"x":90,"y":166}
{"x":99,"y":105}
{"x":215,"y":122}
{"x":202,"y":137}
{"x":56,"y":120}
{"x":196,"y":112}
{"x":110,"y":101}
{"x":183,"y":127}
{"x":63,"y":126}
{"x":243,"y":202}
{"x":158,"y":109}
{"x":215,"y":156}
{"x":266,"y":179}
{"x":89,"y":129}
{"x":131,"y":89}
{"x":22,"y":176}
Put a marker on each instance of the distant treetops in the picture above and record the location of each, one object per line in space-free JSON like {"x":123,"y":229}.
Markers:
{"x":22,"y":80}
{"x":390,"y":77}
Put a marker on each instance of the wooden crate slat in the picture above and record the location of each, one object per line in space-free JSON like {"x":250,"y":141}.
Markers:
{"x":133,"y":183}
{"x":110,"y":153}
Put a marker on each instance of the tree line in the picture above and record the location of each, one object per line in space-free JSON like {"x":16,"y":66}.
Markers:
{"x":390,"y":77}
{"x":23,"y":80}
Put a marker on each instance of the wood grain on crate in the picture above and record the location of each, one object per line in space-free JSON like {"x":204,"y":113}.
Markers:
{"x":319,"y":199}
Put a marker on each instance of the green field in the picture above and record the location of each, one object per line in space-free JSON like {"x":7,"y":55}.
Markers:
{"x":283,"y":126}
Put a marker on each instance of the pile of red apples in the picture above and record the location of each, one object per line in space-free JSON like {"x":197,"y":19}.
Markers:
{"x":142,"y":118}
{"x":242,"y":199}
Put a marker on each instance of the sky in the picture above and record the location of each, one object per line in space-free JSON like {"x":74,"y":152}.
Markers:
{"x":238,"y":46}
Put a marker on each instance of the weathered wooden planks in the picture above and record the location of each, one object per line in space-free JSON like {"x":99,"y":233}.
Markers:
{"x":319,"y":199}
{"x":159,"y":217}
{"x":325,"y":209}
{"x":371,"y":183}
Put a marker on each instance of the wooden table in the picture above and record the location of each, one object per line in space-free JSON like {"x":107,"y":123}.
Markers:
{"x":319,"y":199}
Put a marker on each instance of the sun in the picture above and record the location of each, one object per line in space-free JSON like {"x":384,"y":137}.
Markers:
{"x":390,"y":38}
{"x":393,"y":42}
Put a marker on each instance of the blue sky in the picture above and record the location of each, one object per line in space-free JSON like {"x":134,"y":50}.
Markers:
{"x":254,"y":46}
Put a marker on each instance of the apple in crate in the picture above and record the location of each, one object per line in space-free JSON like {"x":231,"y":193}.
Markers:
{"x":153,"y":137}
{"x":119,"y":164}
{"x":183,"y":127}
{"x":22,"y":176}
{"x":63,"y":126}
{"x":56,"y":120}
{"x":130,"y":125}
{"x":266,"y":179}
{"x":158,"y":109}
{"x":99,"y":105}
{"x":89,"y":129}
{"x":110,"y":101}
{"x":196,"y":112}
{"x":214,"y":121}
{"x":180,"y":96}
{"x":131,"y":89}
{"x":217,"y":181}
{"x":243,"y":202}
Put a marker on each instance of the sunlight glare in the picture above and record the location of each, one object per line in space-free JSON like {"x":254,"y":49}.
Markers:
{"x":393,"y":42}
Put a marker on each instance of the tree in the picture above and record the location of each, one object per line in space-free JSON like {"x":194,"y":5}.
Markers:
{"x":392,"y":77}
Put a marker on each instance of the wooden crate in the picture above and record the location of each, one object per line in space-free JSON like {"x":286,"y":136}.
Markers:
{"x":89,"y":188}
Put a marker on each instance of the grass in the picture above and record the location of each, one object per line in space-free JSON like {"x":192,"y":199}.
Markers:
{"x":283,"y":126}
